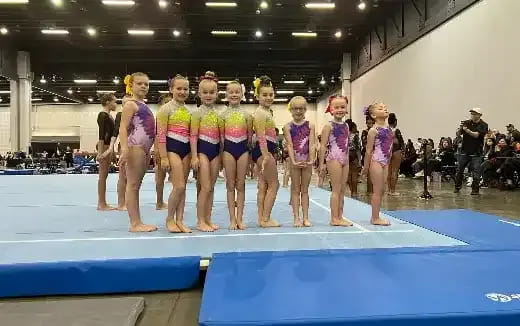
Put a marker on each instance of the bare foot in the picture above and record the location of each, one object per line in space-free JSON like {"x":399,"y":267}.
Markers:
{"x":183,"y":228}
{"x":341,"y":222}
{"x":214,"y":226}
{"x":204,"y":227}
{"x":161,"y":206}
{"x":171,"y":226}
{"x":233,"y":225}
{"x":271,"y":223}
{"x":143,"y":228}
{"x":380,"y":221}
{"x":121,"y":208}
{"x":105,"y":207}
{"x":307,"y":223}
{"x":298,"y":223}
{"x":241,"y":225}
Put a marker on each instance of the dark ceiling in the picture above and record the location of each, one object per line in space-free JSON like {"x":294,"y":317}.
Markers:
{"x":113,"y":52}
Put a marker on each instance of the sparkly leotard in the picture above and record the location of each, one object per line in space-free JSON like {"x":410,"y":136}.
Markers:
{"x":206,"y":125}
{"x":176,"y":135}
{"x":383,"y":146}
{"x":235,"y":124}
{"x":264,"y":122}
{"x":338,"y":143}
{"x":300,"y":135}
{"x":141,"y":130}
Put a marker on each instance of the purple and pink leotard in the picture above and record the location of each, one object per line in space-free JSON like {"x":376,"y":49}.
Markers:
{"x":300,"y":135}
{"x":141,"y":129}
{"x":383,"y":146}
{"x":338,"y":143}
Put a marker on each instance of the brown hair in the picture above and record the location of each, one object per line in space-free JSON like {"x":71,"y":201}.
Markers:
{"x":105,"y":98}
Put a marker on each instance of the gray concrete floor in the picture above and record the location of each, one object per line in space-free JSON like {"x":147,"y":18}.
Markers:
{"x":182,"y":308}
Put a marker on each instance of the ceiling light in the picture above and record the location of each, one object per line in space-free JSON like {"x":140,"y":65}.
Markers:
{"x":35,"y":99}
{"x":57,"y":3}
{"x":193,"y":92}
{"x":164,"y":92}
{"x":281,"y":100}
{"x":304,"y":34}
{"x":252,"y":92}
{"x":309,"y":91}
{"x":163,"y":3}
{"x":91,"y":31}
{"x":56,"y":99}
{"x":85,"y":81}
{"x":258,"y":34}
{"x":4,"y":31}
{"x":176,"y":33}
{"x":116,"y":80}
{"x":338,"y":34}
{"x":224,"y":82}
{"x":43,"y":80}
{"x":55,"y":31}
{"x":251,"y":100}
{"x":158,"y":81}
{"x":90,"y":99}
{"x":362,"y":5}
{"x":223,"y":32}
{"x":140,"y":32}
{"x":284,"y":92}
{"x":5,"y":92}
{"x":264,"y":5}
{"x":332,"y":79}
{"x":294,"y":82}
{"x":320,"y":5}
{"x":105,"y":92}
{"x":1,"y":99}
{"x":322,"y":81}
{"x":221,"y":4}
{"x":118,"y":2}
{"x":13,"y":2}
{"x":70,"y":91}
{"x":222,"y":92}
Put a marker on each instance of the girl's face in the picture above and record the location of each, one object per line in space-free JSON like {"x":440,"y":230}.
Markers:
{"x":179,"y":90}
{"x":140,"y":86}
{"x":502,"y":143}
{"x":445,"y":144}
{"x":379,"y":111}
{"x":234,"y":94}
{"x":339,"y":108}
{"x":489,"y":142}
{"x":208,"y":92}
{"x":266,"y":96}
{"x":112,"y":105}
{"x":298,"y":110}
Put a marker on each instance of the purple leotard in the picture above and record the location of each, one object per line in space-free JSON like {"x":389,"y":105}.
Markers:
{"x":338,"y":143}
{"x":141,"y":130}
{"x":300,"y":135}
{"x":383,"y":146}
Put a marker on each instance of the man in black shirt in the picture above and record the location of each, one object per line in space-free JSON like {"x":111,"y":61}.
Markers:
{"x":473,"y":132}
{"x":513,"y":134}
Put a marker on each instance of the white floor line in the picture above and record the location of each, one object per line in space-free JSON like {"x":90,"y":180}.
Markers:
{"x":508,"y":222}
{"x":205,"y":236}
{"x":360,"y":227}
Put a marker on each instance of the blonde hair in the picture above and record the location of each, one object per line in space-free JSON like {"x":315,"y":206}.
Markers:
{"x":129,"y":80}
{"x":296,"y":99}
{"x":171,"y":81}
{"x":209,"y":76}
{"x":234,"y":82}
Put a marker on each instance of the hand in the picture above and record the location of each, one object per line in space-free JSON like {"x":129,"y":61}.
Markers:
{"x":309,"y":163}
{"x":105,"y":154}
{"x":195,"y":163}
{"x":465,"y":129}
{"x":364,"y":172}
{"x":165,"y":164}
{"x":123,"y":158}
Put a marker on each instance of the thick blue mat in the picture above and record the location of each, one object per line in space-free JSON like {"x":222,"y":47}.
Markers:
{"x":17,"y":172}
{"x":479,"y":230}
{"x":97,"y":277}
{"x":358,"y":287}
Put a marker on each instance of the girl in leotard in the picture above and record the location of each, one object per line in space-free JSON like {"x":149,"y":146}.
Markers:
{"x":205,"y":150}
{"x":106,"y":129}
{"x":299,"y":135}
{"x":377,"y":157}
{"x":263,"y":152}
{"x":235,"y":133}
{"x":173,"y":131}
{"x":335,"y":137}
{"x":137,"y":134}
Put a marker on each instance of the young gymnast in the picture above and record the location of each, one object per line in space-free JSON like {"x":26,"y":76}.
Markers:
{"x":137,"y":134}
{"x":235,"y":133}
{"x":160,"y":174}
{"x":205,"y":150}
{"x":121,"y":180}
{"x":106,"y":129}
{"x":263,"y":152}
{"x":173,"y":133}
{"x":377,"y":157}
{"x":299,"y":135}
{"x":335,"y":137}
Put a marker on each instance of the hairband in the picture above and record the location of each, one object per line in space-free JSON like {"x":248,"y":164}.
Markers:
{"x":257,"y":83}
{"x":128,"y":84}
{"x":211,"y":78}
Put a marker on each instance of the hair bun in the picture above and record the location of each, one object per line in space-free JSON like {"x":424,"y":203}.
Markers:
{"x":209,"y":74}
{"x":265,"y":81}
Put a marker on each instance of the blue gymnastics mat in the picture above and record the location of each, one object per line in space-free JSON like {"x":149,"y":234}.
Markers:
{"x":396,"y":287}
{"x":17,"y":172}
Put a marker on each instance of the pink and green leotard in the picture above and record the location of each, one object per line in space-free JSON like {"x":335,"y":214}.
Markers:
{"x":176,"y":135}
{"x":206,"y":123}
{"x":235,"y":127}
{"x":264,"y":123}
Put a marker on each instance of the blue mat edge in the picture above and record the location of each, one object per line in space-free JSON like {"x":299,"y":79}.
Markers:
{"x":99,"y":276}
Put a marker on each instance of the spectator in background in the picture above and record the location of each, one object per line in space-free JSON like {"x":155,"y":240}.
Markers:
{"x":354,"y":160}
{"x":472,"y":132}
{"x":364,"y":136}
{"x":496,"y":158}
{"x":513,"y":134}
{"x":397,"y":153}
{"x":409,"y":158}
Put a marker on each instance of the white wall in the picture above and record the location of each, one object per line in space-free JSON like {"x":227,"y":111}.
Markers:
{"x":80,"y":121}
{"x":472,"y":60}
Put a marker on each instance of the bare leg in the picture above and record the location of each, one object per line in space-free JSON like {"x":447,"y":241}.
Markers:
{"x":121,"y":189}
{"x":393,"y":173}
{"x":306,"y":180}
{"x":260,"y":197}
{"x":296,"y":179}
{"x":204,"y":179}
{"x":179,"y":213}
{"x":178,"y":192}
{"x":338,"y":185}
{"x":214,"y":170}
{"x":286,"y":173}
{"x":344,"y":177}
{"x":104,"y":165}
{"x":230,"y":168}
{"x":240,"y":186}
{"x":270,"y":176}
{"x":160,"y":175}
{"x":378,"y":176}
{"x":136,"y":169}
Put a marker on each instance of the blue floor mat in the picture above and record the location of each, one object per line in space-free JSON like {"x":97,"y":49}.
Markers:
{"x":359,"y":287}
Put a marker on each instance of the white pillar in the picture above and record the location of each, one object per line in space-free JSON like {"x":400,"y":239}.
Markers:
{"x":23,"y":63}
{"x":14,"y":139}
{"x":345,"y":80}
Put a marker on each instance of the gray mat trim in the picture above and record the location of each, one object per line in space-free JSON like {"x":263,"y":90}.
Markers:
{"x":73,"y":312}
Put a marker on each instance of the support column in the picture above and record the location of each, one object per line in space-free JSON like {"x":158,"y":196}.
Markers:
{"x":23,"y":63}
{"x":14,"y":138}
{"x":345,"y":80}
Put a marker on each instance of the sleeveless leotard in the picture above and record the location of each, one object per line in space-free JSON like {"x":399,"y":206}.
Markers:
{"x":338,"y":143}
{"x":263,"y":121}
{"x":235,"y":126}
{"x":207,"y":122}
{"x":141,"y":130}
{"x":300,"y":135}
{"x":176,"y":135}
{"x":383,"y":146}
